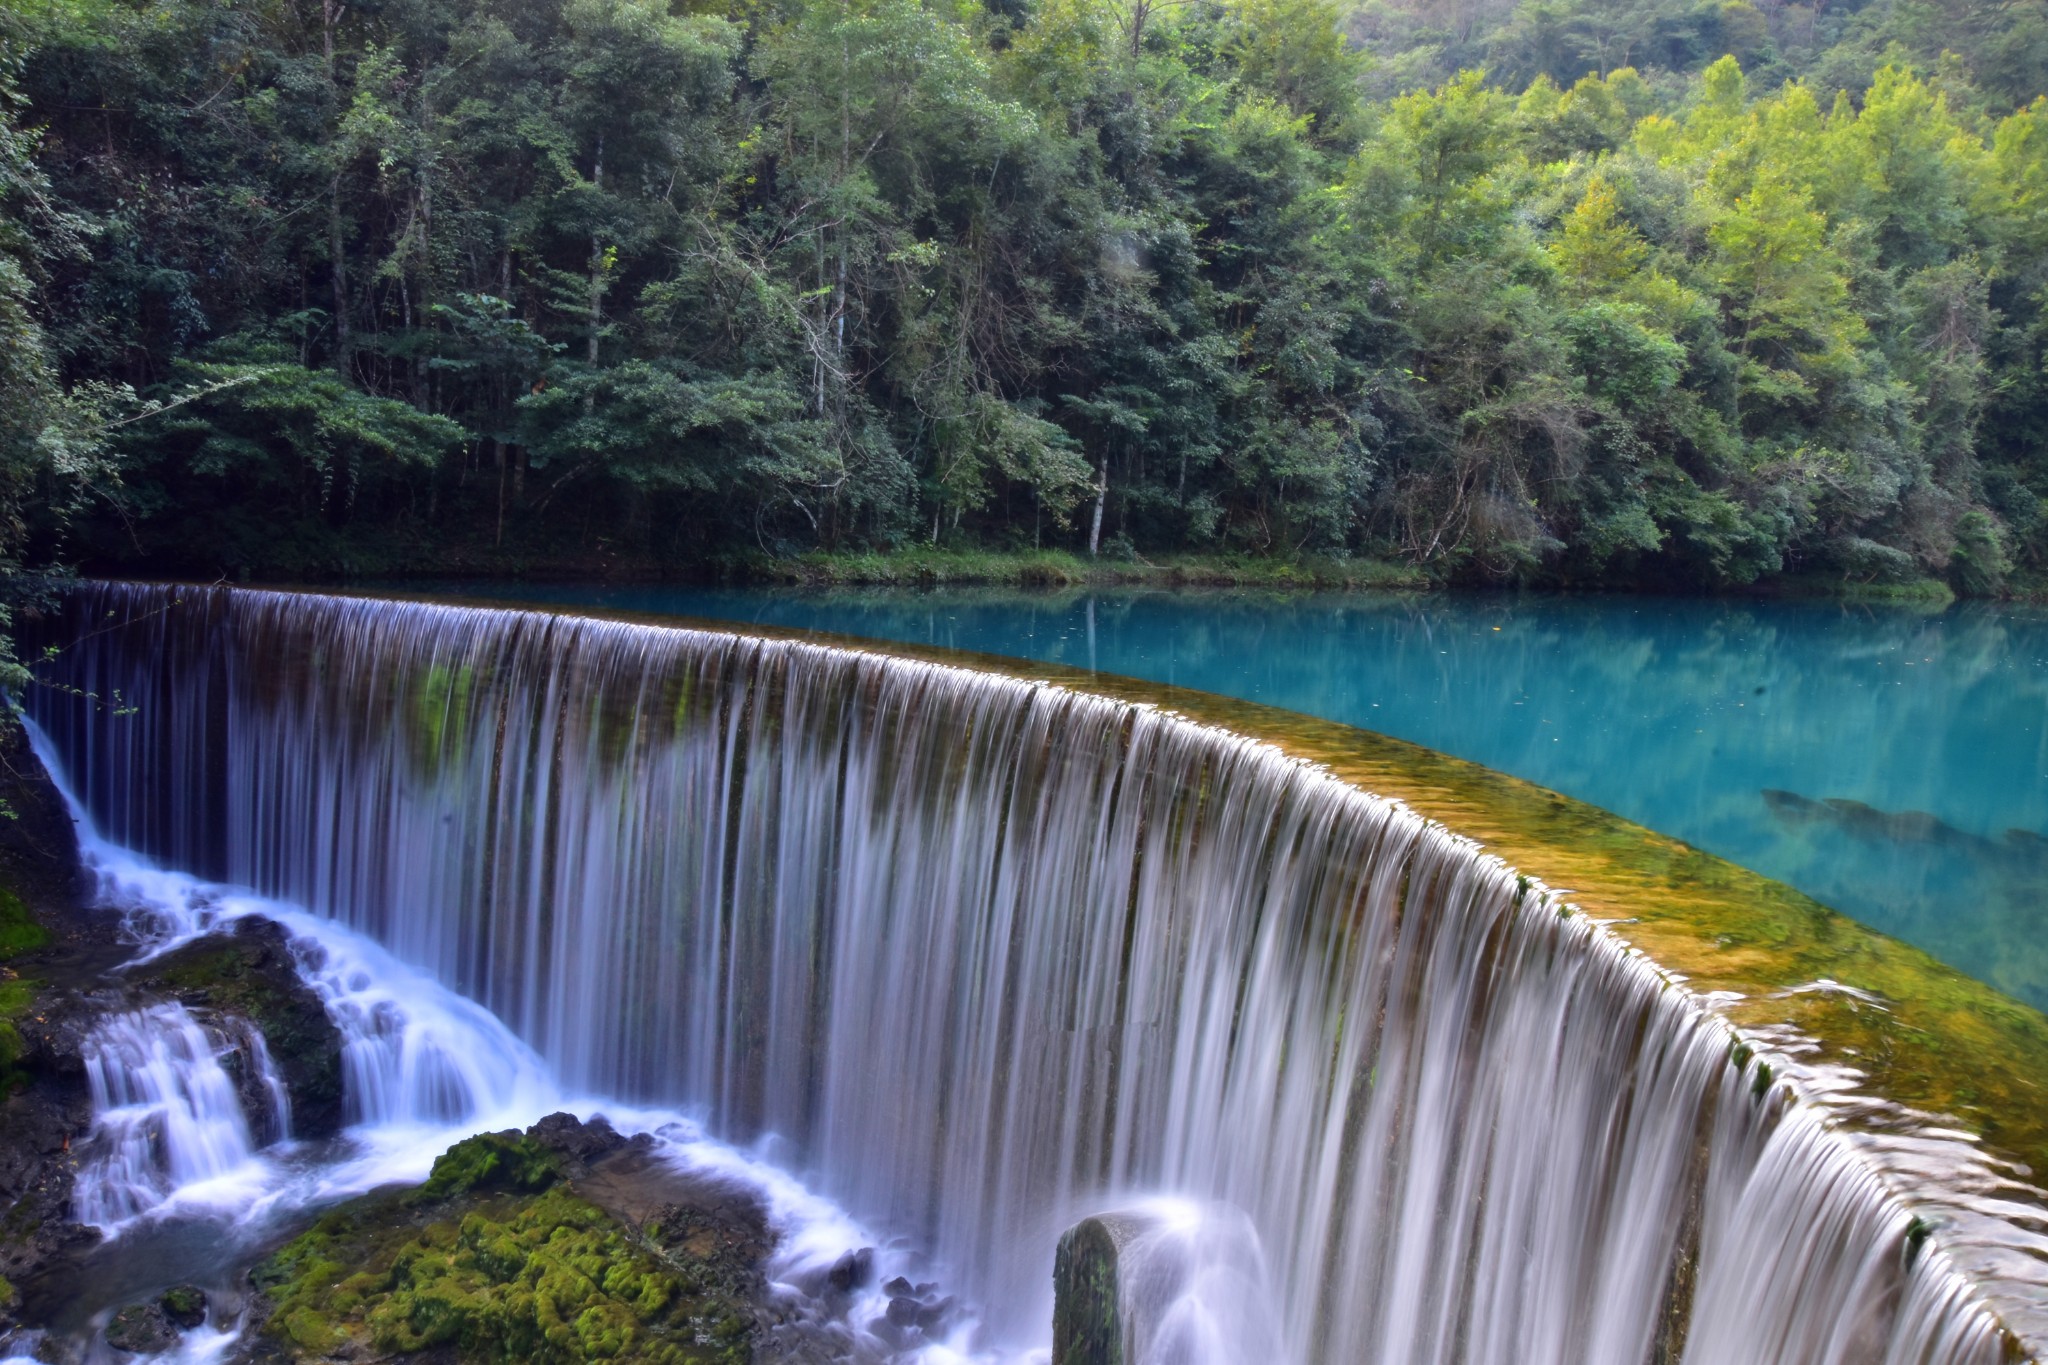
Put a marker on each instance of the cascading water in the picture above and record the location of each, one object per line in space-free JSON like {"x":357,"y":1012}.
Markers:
{"x":987,"y":955}
{"x":168,"y":1117}
{"x":423,"y":1068}
{"x":415,"y":1056}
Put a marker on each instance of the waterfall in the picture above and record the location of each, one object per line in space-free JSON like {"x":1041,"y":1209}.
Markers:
{"x":418,"y":1061}
{"x":986,"y":955}
{"x":167,"y":1118}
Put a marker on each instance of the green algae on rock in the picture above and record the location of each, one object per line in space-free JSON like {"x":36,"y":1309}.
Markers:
{"x":1087,"y":1318}
{"x":248,"y":971}
{"x":520,"y":1248}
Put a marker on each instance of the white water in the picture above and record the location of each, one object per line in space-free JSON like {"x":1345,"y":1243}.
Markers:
{"x":423,"y":1068}
{"x":167,"y":1118}
{"x":979,"y":957}
{"x":1193,"y":1286}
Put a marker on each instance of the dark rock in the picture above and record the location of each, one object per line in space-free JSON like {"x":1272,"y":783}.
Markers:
{"x":1087,"y":1314}
{"x":897,"y":1338}
{"x":43,"y":1125}
{"x":248,"y":972}
{"x":719,"y":1229}
{"x":905,"y":1312}
{"x":40,"y":871}
{"x":572,"y":1137}
{"x":854,"y":1270}
{"x":899,"y":1288}
{"x":54,"y":948}
{"x":184,"y":1306}
{"x":141,"y":1328}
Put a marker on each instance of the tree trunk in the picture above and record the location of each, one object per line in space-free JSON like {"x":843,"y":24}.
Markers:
{"x":1101,"y":494}
{"x":596,"y":268}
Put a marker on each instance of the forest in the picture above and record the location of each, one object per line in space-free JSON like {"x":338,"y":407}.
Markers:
{"x":1562,"y":292}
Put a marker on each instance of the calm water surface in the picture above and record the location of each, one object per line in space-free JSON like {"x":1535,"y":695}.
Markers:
{"x":1892,"y":762}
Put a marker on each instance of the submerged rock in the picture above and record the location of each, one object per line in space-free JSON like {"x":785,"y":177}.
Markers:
{"x":184,"y":1305}
{"x":854,"y":1270}
{"x":142,"y":1329}
{"x":248,"y":972}
{"x":564,"y":1243}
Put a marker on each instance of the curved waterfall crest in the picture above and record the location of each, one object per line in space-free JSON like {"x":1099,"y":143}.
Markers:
{"x":985,"y":955}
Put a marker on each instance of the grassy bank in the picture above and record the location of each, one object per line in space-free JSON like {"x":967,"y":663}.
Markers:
{"x":1929,"y":592}
{"x":929,"y":567}
{"x":925,"y":566}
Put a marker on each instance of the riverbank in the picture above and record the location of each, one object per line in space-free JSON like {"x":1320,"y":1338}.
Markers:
{"x":52,"y":947}
{"x":925,"y":566}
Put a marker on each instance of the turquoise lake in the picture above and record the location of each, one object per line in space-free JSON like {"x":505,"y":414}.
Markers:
{"x":1891,"y":762}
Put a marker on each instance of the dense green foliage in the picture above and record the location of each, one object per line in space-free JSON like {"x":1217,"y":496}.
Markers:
{"x":434,"y":283}
{"x":1997,"y":46}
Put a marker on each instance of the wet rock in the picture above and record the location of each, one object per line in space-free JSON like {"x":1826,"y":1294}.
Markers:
{"x":42,"y":882}
{"x":580,"y":1140}
{"x":508,"y":1161}
{"x":141,"y":1329}
{"x":854,"y":1270}
{"x":899,"y":1288}
{"x":184,"y":1306}
{"x":53,"y":950}
{"x":1087,"y":1317}
{"x":916,"y":1309}
{"x":248,"y":972}
{"x":45,"y":1116}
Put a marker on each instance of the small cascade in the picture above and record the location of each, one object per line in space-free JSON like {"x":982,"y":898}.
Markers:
{"x":980,"y":956}
{"x":416,"y":1057}
{"x":414,"y":1054}
{"x":168,"y":1118}
{"x":423,"y":1069}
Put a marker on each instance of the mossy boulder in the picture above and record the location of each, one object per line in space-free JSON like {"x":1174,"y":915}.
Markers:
{"x":248,"y":972}
{"x":1087,"y":1313}
{"x":488,"y":1162}
{"x":520,"y":1247}
{"x":141,"y":1328}
{"x":184,"y":1305}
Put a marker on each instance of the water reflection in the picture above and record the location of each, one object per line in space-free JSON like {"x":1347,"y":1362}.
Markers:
{"x":1892,"y":762}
